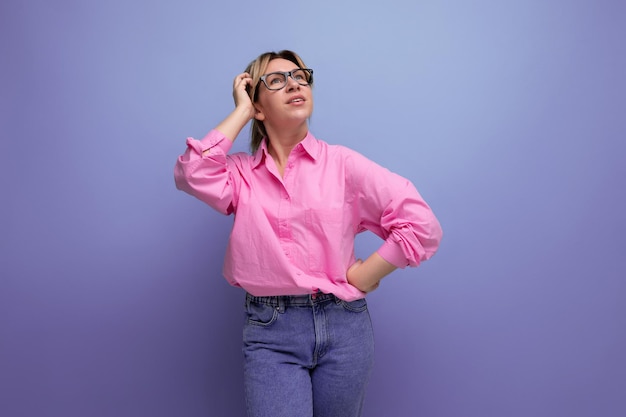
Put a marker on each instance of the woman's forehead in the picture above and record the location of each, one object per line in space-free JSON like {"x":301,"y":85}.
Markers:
{"x":280,"y":64}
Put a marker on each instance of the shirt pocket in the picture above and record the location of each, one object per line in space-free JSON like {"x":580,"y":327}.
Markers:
{"x":325,"y":240}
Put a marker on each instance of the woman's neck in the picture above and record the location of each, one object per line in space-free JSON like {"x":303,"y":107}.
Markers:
{"x":280,"y":144}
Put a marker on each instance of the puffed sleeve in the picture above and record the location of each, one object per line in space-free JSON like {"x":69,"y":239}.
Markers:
{"x":391,"y":207}
{"x":204,"y":171}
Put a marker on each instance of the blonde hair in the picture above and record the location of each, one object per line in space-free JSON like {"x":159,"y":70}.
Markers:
{"x":256,"y":69}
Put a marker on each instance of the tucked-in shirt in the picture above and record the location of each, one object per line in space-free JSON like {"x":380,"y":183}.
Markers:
{"x":294,"y":234}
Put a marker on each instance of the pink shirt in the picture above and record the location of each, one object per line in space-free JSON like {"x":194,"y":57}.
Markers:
{"x":295,"y":235}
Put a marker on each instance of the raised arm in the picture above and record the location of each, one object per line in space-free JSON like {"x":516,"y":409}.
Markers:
{"x":243,"y":112}
{"x":203,"y":170}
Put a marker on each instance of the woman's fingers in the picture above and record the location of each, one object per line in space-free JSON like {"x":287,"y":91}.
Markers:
{"x":240,"y":93}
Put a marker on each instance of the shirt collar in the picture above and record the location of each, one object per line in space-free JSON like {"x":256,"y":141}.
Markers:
{"x":309,"y":145}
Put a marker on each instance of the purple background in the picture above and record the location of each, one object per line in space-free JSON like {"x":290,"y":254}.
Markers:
{"x":508,"y":116}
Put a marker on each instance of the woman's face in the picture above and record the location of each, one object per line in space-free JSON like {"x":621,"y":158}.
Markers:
{"x":287,"y":107}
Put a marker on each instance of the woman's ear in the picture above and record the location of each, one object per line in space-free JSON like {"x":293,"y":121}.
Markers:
{"x":258,"y":113}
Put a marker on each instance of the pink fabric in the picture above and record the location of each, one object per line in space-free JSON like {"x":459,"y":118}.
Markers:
{"x":295,"y":235}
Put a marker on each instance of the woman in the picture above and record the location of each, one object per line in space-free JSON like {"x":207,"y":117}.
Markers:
{"x":298,"y":204}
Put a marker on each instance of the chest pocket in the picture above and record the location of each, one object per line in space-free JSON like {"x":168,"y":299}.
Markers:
{"x":325,"y":240}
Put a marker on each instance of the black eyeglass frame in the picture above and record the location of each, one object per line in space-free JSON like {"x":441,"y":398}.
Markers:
{"x":288,"y":74}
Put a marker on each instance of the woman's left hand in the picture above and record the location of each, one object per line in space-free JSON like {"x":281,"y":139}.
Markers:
{"x":357,"y":276}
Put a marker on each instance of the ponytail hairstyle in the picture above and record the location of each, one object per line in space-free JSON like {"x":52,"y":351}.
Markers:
{"x":256,"y":69}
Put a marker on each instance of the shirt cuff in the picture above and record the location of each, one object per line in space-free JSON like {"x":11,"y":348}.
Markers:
{"x":214,"y":139}
{"x":391,"y":252}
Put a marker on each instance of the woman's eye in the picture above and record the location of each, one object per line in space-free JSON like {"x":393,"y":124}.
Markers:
{"x":275,"y":80}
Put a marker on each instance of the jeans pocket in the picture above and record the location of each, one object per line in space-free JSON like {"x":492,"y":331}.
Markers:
{"x":356,"y":306}
{"x":259,"y":314}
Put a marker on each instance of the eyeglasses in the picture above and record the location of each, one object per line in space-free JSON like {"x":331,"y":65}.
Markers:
{"x":278,"y":80}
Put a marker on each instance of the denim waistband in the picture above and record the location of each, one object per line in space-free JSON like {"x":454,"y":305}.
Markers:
{"x":282,"y":301}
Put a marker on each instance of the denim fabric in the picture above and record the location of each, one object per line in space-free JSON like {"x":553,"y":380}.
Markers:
{"x":306,"y":356}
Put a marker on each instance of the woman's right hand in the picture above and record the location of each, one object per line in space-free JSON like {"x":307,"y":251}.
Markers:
{"x":244,"y":109}
{"x":240,"y":93}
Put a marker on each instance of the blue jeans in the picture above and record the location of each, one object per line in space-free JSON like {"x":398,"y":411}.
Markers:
{"x":306,"y":356}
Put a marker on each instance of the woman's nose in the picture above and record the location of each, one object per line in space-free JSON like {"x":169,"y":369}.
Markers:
{"x":292,"y":84}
